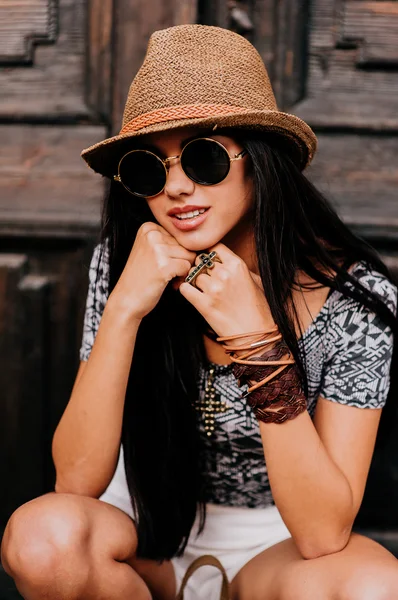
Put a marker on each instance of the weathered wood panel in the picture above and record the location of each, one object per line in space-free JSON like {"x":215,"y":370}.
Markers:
{"x":28,"y":480}
{"x":23,"y":25}
{"x":263,"y":37}
{"x":45,"y":185}
{"x":186,"y":11}
{"x":353,"y":65}
{"x":134,"y":24}
{"x":57,"y":80}
{"x":289,"y":60}
{"x":99,"y":49}
{"x":360,"y":174}
{"x":42,"y":299}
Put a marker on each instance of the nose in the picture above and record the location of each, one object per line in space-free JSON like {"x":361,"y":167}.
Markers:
{"x":177,"y":182}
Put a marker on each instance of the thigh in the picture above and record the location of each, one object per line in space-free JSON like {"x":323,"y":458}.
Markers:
{"x":81,"y":525}
{"x":280,"y":573}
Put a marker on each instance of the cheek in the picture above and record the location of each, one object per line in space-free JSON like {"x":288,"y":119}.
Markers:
{"x":239,"y":199}
{"x":155,"y":208}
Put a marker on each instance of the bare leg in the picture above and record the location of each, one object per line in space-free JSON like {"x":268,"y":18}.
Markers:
{"x":363,"y":570}
{"x":69,"y":547}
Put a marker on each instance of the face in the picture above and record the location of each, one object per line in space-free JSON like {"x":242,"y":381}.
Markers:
{"x":228,"y":204}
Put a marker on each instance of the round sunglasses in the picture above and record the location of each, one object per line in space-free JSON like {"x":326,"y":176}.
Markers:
{"x":203,"y":160}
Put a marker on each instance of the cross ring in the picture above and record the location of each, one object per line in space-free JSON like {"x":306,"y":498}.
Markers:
{"x":207,"y":262}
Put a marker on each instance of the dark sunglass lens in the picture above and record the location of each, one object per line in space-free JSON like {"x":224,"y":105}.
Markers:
{"x":142,"y":173}
{"x":205,"y":162}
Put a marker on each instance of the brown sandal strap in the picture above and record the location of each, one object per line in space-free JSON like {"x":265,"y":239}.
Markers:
{"x":205,"y":560}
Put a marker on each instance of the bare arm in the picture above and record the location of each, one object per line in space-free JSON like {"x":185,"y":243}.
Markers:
{"x":318,"y":472}
{"x":87,"y":440}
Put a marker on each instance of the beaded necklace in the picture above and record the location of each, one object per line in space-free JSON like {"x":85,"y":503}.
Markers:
{"x":211,"y":404}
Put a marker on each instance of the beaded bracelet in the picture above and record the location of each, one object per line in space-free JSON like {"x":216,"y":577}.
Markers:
{"x":277,"y":393}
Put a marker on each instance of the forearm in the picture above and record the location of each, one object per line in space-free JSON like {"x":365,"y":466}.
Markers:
{"x":87,"y":440}
{"x":310,"y":491}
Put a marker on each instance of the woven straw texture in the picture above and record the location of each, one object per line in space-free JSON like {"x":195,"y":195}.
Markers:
{"x":201,"y":76}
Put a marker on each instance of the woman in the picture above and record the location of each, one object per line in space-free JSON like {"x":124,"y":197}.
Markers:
{"x":231,"y":318}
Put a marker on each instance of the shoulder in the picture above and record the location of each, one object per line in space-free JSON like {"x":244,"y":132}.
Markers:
{"x":98,"y":275}
{"x":350,"y":320}
{"x":371,"y":280}
{"x":359,"y":344}
{"x":99,"y":265}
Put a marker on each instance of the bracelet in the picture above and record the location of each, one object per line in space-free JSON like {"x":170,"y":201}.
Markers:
{"x":277,"y":394}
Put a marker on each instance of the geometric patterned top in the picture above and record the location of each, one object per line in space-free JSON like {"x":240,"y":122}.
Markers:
{"x":348,"y":355}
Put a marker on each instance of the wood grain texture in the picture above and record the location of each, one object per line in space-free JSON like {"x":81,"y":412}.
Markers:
{"x":352,"y":65}
{"x":360,"y":174}
{"x":45,"y":185}
{"x":186,"y":11}
{"x":289,"y":62}
{"x":55,"y":86}
{"x":264,"y":35}
{"x":24,"y":24}
{"x":42,"y":297}
{"x":134,"y":24}
{"x":99,"y":48}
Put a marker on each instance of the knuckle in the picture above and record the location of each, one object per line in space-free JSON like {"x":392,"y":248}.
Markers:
{"x":224,"y":275}
{"x":145,"y":227}
{"x":148,"y":229}
{"x":237,"y":263}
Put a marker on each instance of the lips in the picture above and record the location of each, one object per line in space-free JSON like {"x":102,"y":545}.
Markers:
{"x":191,"y":222}
{"x":183,"y":209}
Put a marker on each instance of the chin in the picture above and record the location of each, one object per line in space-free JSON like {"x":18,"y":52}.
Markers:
{"x":199,"y":244}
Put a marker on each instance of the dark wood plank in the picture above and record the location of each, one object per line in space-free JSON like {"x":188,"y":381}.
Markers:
{"x":99,"y":48}
{"x":288,"y":71}
{"x":359,"y":173}
{"x":264,"y":37}
{"x":186,"y":11}
{"x":55,"y":85}
{"x":12,"y":268}
{"x":46,"y":186}
{"x":134,"y":24}
{"x":33,"y":449}
{"x":23,"y":26}
{"x":352,"y":65}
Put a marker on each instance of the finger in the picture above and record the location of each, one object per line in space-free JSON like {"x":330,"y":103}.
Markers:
{"x":202,"y":281}
{"x":197,"y":298}
{"x":180,"y":252}
{"x":190,"y":254}
{"x":223,"y":252}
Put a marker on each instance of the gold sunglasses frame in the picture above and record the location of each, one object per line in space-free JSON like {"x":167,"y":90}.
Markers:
{"x":166,"y":161}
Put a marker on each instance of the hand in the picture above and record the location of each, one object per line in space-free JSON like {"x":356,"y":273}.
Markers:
{"x":155,"y":259}
{"x":230,"y":297}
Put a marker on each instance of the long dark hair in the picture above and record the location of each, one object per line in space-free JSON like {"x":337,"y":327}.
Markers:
{"x":295,"y":228}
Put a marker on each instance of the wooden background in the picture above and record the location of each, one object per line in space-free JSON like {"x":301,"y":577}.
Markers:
{"x":65,"y":69}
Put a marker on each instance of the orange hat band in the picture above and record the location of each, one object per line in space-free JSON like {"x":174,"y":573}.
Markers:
{"x":186,"y":111}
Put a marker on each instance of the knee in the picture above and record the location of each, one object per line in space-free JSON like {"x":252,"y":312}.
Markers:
{"x":46,"y":536}
{"x":368,"y":582}
{"x":371,"y":583}
{"x":295,"y":583}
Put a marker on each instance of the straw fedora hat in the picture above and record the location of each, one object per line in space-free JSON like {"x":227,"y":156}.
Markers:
{"x":202,"y":76}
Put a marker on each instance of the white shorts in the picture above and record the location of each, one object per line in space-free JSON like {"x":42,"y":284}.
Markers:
{"x":233,"y":534}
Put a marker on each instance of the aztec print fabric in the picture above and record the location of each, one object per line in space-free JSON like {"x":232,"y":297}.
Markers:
{"x":348,"y":353}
